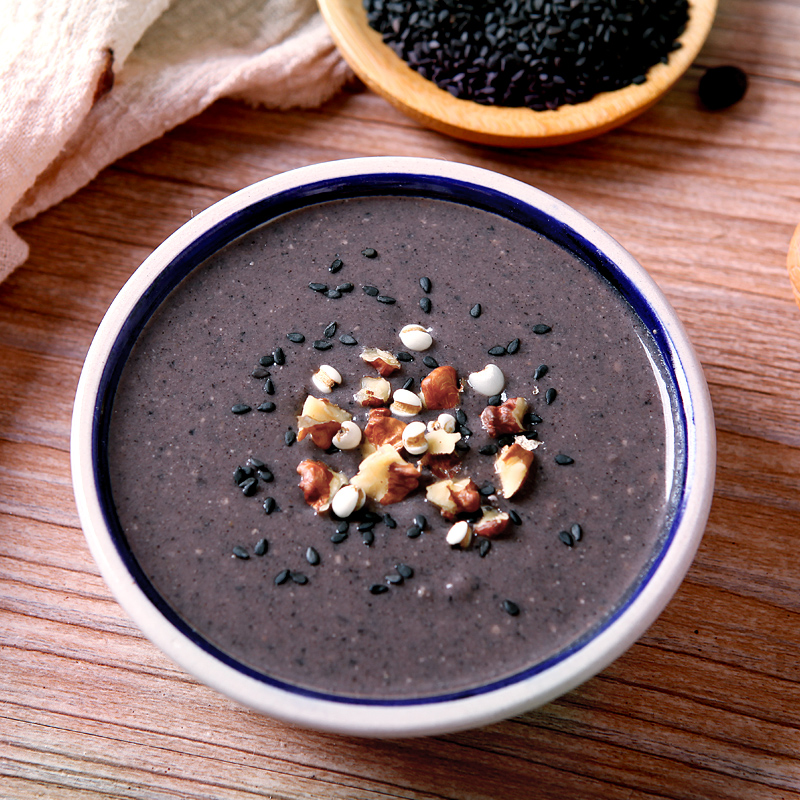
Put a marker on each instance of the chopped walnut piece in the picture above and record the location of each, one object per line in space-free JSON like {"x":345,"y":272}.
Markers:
{"x":319,"y":483}
{"x":513,"y":465}
{"x":439,"y":389}
{"x":505,"y":418}
{"x":382,"y":428}
{"x":440,"y":442}
{"x":385,"y":476}
{"x":374,"y":392}
{"x":382,"y":360}
{"x":492,"y":524}
{"x":454,"y":497}
{"x":320,"y":419}
{"x":445,"y":465}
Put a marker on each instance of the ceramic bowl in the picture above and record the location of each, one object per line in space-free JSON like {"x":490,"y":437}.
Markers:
{"x":233,"y":216}
{"x":389,"y":76}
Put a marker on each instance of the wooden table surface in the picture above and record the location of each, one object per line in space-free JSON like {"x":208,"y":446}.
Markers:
{"x":705,"y":705}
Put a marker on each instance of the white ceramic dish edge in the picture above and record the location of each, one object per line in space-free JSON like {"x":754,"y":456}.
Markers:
{"x":424,"y":718}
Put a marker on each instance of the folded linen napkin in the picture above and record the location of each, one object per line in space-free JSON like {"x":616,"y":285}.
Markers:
{"x":83,"y":83}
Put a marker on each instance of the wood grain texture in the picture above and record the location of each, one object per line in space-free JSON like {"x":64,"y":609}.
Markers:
{"x":705,"y":705}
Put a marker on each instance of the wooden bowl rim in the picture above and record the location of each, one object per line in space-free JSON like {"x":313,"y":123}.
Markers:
{"x":388,"y":75}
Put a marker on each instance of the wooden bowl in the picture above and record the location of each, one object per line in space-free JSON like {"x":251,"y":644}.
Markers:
{"x":793,"y":264}
{"x":388,"y":75}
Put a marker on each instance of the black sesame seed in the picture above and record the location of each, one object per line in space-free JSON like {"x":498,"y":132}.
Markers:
{"x":425,"y":304}
{"x":512,"y":347}
{"x":261,"y":547}
{"x":367,"y":525}
{"x":345,"y":287}
{"x":240,"y":474}
{"x":255,"y":463}
{"x":346,"y":338}
{"x":266,"y":361}
{"x":461,"y":416}
{"x":282,"y":577}
{"x":462,"y":446}
{"x":426,"y":284}
{"x":540,"y":372}
{"x":404,"y":356}
{"x":267,"y":406}
{"x":413,"y":532}
{"x":566,"y":538}
{"x":259,"y":372}
{"x":430,"y":362}
{"x":721,"y":87}
{"x":420,"y":521}
{"x":338,"y":538}
{"x":290,"y":437}
{"x":318,"y":287}
{"x":240,"y":408}
{"x":368,"y":537}
{"x":378,"y":588}
{"x":494,"y":400}
{"x":269,"y":386}
{"x":514,"y":517}
{"x":266,"y":475}
{"x":404,"y":570}
{"x":372,"y":291}
{"x":369,"y":252}
{"x":497,"y":350}
{"x":322,"y":344}
{"x":385,"y":299}
{"x":484,"y":547}
{"x":248,"y":487}
{"x":371,"y":516}
{"x":330,"y":330}
{"x":532,"y":419}
{"x":464,"y":430}
{"x":312,"y":556}
{"x":299,"y":578}
{"x":541,"y":328}
{"x":389,"y":521}
{"x":336,"y":265}
{"x":488,"y":450}
{"x":510,"y":607}
{"x":269,"y":505}
{"x":408,"y":383}
{"x":241,"y":552}
{"x":297,"y":338}
{"x":486,"y":490}
{"x":279,"y":356}
{"x":576,"y":531}
{"x":394,"y":580}
{"x":475,"y":311}
{"x":564,"y":460}
{"x":333,"y":294}
{"x":550,"y":395}
{"x":342,"y":526}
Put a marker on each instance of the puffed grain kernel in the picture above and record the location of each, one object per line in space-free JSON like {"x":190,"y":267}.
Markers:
{"x":326,"y":378}
{"x":460,"y":534}
{"x":347,"y":500}
{"x":348,"y":437}
{"x":416,"y":337}
{"x":414,"y":440}
{"x":405,"y":403}
{"x":489,"y":381}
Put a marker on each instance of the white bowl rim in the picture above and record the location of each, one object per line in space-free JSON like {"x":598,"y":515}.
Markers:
{"x":415,"y":718}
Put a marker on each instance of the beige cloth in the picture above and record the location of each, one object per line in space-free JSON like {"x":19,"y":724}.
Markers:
{"x":61,"y":121}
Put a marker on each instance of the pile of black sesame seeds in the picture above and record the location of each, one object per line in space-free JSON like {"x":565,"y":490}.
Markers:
{"x":536,"y":53}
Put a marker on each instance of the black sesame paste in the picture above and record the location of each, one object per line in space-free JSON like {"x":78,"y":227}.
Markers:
{"x":391,"y":610}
